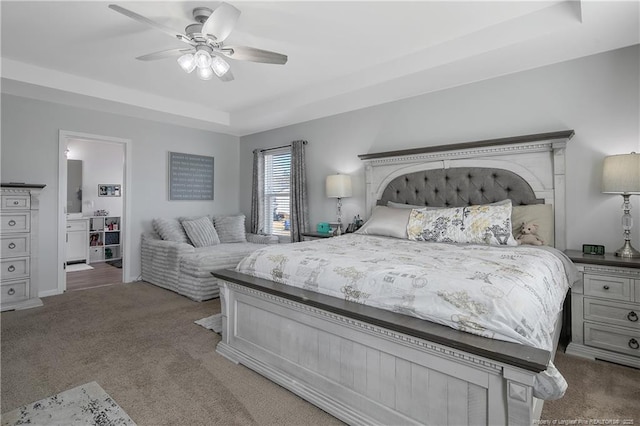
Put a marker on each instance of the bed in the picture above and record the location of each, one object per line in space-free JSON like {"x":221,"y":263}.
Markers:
{"x":367,"y":365}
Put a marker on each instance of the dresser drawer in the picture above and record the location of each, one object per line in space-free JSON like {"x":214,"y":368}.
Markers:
{"x":15,"y":245}
{"x":15,"y":222}
{"x":612,"y":338}
{"x":77,"y":225}
{"x":615,"y":313}
{"x":14,"y":268}
{"x":617,"y":288}
{"x":21,"y":202}
{"x":14,"y":291}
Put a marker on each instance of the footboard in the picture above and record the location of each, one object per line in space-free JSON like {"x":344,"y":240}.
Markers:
{"x":364,"y":373}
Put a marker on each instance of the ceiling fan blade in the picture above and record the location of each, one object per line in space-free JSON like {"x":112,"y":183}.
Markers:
{"x":227,"y":76}
{"x":221,"y":21}
{"x":164,"y":54}
{"x":244,"y":53}
{"x":147,"y":21}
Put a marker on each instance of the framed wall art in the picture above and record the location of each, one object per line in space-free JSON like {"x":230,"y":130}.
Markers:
{"x":190,"y":176}
{"x":109,"y":190}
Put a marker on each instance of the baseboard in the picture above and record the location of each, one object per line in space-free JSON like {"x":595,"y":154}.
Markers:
{"x":24,"y":304}
{"x":48,"y":293}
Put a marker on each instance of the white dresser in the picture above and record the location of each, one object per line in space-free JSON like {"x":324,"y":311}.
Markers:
{"x":605,"y":309}
{"x":19,"y":239}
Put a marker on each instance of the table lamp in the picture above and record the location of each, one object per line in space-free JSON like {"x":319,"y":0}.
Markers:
{"x":621,"y":175}
{"x":339,"y":186}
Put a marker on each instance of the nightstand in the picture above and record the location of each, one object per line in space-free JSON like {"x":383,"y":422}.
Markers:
{"x":308,"y":236}
{"x":605,"y":306}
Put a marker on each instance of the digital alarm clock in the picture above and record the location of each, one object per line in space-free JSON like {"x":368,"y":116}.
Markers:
{"x":593,"y":249}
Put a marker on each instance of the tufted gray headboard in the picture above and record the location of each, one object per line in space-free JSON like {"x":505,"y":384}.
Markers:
{"x":528,"y":169}
{"x":459,"y":186}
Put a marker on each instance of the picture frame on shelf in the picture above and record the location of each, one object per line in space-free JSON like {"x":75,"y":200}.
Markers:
{"x":334,"y":228}
{"x":109,"y":190}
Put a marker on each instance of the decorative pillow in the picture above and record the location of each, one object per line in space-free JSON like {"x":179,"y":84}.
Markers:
{"x":482,"y":224}
{"x":540,"y":214}
{"x":386,"y":222}
{"x":201,"y":232}
{"x":230,"y":229}
{"x":170,"y":230}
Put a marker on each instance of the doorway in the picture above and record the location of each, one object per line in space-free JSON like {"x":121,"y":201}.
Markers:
{"x":94,"y":210}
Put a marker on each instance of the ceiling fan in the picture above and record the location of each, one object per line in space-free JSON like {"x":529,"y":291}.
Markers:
{"x":206,"y":42}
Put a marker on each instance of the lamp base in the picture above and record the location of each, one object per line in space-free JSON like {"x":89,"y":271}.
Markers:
{"x":627,"y":251}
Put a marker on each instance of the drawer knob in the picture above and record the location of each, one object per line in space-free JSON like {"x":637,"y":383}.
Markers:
{"x":632,"y":316}
{"x":11,"y":292}
{"x":11,"y":268}
{"x":606,"y":287}
{"x":12,"y":222}
{"x":633,"y":344}
{"x":12,"y":246}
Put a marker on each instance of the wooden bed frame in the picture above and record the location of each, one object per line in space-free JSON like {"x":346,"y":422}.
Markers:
{"x":369,"y":366}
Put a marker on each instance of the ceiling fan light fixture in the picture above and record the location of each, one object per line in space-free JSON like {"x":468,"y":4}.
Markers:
{"x":205,"y":73}
{"x":219,"y":66}
{"x":187,"y":62}
{"x":203,"y":59}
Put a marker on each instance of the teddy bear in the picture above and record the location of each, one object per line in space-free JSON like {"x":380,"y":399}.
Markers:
{"x":528,"y":234}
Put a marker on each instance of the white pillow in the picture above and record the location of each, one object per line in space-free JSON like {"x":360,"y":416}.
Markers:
{"x":386,"y":222}
{"x":201,"y":232}
{"x":395,"y":205}
{"x":230,"y":229}
{"x":481,"y":224}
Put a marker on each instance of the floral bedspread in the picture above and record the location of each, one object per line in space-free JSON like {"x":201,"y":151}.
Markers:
{"x":506,"y":293}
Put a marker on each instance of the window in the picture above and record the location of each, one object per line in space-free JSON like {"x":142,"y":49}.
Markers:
{"x":277,"y":183}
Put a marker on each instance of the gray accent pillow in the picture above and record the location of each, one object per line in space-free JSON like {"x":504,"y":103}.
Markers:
{"x":387,"y":222}
{"x":201,"y":232}
{"x":170,"y":230}
{"x":230,"y":229}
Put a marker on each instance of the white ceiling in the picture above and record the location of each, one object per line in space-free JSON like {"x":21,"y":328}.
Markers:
{"x":342,"y":55}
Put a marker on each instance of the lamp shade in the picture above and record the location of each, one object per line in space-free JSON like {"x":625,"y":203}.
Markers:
{"x":621,"y":174}
{"x":339,"y":186}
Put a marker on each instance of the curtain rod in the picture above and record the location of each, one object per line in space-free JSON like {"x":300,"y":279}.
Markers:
{"x":277,"y":147}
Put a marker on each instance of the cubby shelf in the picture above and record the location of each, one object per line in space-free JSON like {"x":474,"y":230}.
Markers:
{"x":104,"y":238}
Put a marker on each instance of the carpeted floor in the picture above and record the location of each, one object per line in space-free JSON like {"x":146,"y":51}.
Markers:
{"x":598,"y":390}
{"x":140,"y":343}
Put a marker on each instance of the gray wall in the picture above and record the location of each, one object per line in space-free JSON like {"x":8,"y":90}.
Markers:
{"x":597,"y":96}
{"x":30,"y":154}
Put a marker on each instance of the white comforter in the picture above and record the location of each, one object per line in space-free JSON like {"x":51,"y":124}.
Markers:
{"x":506,"y":293}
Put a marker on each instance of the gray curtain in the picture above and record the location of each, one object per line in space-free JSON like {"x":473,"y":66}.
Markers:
{"x":299,"y":212}
{"x":257,"y":194}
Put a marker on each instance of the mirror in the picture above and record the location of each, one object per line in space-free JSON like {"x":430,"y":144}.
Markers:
{"x":74,"y":186}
